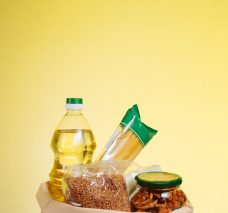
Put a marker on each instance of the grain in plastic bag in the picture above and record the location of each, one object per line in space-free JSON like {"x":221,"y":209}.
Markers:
{"x":99,"y":185}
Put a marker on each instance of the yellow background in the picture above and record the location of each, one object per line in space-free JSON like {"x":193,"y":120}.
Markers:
{"x":170,"y":57}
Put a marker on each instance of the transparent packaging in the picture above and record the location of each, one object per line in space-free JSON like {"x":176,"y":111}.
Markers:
{"x":123,"y":145}
{"x":72,"y":143}
{"x":129,"y":138}
{"x":98,"y":185}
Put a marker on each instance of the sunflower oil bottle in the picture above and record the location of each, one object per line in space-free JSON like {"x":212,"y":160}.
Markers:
{"x":72,"y":143}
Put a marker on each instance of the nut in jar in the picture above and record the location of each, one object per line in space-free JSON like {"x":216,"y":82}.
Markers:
{"x":158,"y":193}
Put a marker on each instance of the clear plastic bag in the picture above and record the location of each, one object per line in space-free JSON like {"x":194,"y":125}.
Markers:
{"x":99,"y":185}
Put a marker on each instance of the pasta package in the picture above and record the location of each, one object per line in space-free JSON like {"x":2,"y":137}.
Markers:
{"x":129,"y":138}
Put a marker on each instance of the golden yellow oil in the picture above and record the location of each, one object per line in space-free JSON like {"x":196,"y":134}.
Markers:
{"x":75,"y":146}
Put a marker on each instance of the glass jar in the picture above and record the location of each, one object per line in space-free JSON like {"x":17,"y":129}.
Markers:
{"x":158,"y":192}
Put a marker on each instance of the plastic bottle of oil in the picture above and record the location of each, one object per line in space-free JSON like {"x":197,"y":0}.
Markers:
{"x":72,"y":143}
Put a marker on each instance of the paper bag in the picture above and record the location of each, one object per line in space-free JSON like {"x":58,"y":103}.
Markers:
{"x":48,"y":205}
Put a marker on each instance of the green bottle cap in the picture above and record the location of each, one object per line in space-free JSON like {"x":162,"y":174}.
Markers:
{"x":158,"y":180}
{"x":133,"y":121}
{"x":74,"y":101}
